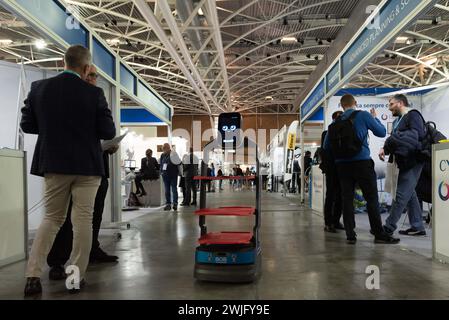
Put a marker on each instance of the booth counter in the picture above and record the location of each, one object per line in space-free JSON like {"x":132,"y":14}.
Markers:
{"x":440,"y":207}
{"x":13,"y":208}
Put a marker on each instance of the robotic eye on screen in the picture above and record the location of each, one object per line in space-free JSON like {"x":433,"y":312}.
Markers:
{"x":229,"y":125}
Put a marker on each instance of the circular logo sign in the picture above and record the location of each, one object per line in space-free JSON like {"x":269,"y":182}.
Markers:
{"x":443,"y":191}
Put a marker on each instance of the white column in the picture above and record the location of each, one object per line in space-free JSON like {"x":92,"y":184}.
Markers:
{"x":301,"y":130}
{"x":115,"y":176}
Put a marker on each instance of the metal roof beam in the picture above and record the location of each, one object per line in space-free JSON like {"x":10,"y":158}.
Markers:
{"x":150,"y":18}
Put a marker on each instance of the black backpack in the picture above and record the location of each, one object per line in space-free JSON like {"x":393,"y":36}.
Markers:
{"x":343,"y":137}
{"x":432,"y":136}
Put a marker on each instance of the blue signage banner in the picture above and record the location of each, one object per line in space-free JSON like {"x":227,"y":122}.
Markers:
{"x":127,"y":79}
{"x":147,"y":96}
{"x":333,"y":77}
{"x":316,"y":96}
{"x":58,"y":19}
{"x":103,"y":59}
{"x":390,"y":15}
{"x":318,"y":115}
{"x":137,"y":116}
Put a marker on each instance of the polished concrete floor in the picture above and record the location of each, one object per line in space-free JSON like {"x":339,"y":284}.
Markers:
{"x":300,"y":261}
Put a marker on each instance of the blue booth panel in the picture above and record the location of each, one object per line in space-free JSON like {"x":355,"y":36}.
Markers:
{"x":137,"y":116}
{"x":127,"y":79}
{"x":57,"y":19}
{"x":103,"y":58}
{"x":147,"y":96}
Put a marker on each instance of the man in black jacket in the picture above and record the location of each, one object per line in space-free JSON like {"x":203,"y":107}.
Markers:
{"x":60,"y":251}
{"x":70,"y":117}
{"x":149,"y":170}
{"x":403,"y":146}
{"x":332,"y":204}
{"x":190,"y":168}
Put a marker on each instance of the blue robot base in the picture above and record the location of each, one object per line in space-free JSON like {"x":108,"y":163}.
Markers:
{"x":227,"y":263}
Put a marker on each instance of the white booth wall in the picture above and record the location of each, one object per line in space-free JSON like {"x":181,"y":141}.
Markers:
{"x":10,"y":84}
{"x":141,"y":138}
{"x":435,"y":107}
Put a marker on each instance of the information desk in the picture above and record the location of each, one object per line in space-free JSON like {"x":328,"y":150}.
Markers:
{"x":13,"y":206}
{"x":440,"y":207}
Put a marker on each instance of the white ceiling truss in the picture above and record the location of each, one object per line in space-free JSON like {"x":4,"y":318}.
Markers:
{"x":229,"y":55}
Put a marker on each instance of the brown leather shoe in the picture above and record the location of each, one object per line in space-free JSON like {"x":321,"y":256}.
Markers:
{"x":33,"y":287}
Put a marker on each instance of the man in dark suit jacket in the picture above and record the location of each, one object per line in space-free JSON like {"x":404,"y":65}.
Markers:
{"x":70,"y":117}
{"x":149,"y":170}
{"x":60,"y":251}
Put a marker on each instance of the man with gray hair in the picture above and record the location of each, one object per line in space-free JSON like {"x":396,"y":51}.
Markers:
{"x":70,"y":117}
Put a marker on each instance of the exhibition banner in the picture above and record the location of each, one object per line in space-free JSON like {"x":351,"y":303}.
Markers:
{"x":383,"y":27}
{"x":289,"y":150}
{"x":333,"y":77}
{"x":317,"y":95}
{"x":440,"y":207}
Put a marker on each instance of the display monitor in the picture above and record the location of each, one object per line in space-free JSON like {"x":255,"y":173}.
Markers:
{"x":229,"y":126}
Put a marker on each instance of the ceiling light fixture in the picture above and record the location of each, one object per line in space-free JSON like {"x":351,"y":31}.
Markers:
{"x":401,"y":39}
{"x":288,"y":40}
{"x":200,"y":12}
{"x":113,"y":42}
{"x":40,"y":44}
{"x":5,"y":42}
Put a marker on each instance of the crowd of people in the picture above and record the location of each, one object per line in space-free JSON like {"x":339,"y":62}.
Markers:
{"x":347,"y":164}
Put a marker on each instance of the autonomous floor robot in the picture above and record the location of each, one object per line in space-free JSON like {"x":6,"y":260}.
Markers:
{"x":228,"y":256}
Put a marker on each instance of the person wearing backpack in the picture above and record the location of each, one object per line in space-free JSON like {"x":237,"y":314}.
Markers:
{"x":404,"y":146}
{"x":347,"y":138}
{"x":332,"y":203}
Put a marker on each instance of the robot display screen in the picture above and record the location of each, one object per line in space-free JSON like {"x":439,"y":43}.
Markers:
{"x":228,"y":126}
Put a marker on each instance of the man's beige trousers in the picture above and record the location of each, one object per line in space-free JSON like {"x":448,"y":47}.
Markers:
{"x":58,"y":190}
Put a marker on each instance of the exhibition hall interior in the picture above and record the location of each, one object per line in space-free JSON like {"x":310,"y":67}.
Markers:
{"x":224,"y":150}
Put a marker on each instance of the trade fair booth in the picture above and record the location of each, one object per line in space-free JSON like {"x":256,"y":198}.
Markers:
{"x":119,"y":83}
{"x":376,"y":64}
